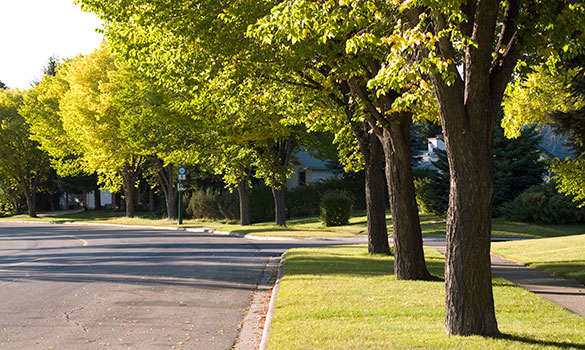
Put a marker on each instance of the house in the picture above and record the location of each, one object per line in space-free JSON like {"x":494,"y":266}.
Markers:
{"x":308,"y":169}
{"x":426,"y":158}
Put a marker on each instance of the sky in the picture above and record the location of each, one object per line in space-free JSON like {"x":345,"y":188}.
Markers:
{"x":33,"y":30}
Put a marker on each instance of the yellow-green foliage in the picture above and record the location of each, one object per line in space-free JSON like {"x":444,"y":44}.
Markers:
{"x":533,"y":98}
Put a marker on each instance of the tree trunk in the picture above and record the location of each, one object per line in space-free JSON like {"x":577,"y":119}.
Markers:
{"x":243,"y":192}
{"x":151,"y":204}
{"x":375,"y":198}
{"x":97,"y":198}
{"x":393,"y":130}
{"x":409,"y":260}
{"x":169,"y":188}
{"x":129,"y":192}
{"x":31,"y":202}
{"x":469,"y":297}
{"x":279,"y":206}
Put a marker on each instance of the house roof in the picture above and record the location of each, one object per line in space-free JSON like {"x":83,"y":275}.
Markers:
{"x":310,"y":162}
{"x":555,"y":144}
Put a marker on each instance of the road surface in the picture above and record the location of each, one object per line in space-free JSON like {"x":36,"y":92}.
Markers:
{"x":95,"y":287}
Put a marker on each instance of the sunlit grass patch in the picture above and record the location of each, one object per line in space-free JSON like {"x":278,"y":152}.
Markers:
{"x":343,"y":298}
{"x":561,"y":256}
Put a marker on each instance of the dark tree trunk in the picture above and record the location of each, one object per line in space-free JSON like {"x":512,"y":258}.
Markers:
{"x":468,"y":108}
{"x":375,"y":198}
{"x":409,"y":260}
{"x":244,"y":192}
{"x":393,"y":130}
{"x":169,"y":188}
{"x":151,"y":203}
{"x":468,"y":132}
{"x":129,"y":179}
{"x":97,"y":198}
{"x":31,"y":202}
{"x":469,"y":303}
{"x":279,"y":206}
{"x":372,"y":151}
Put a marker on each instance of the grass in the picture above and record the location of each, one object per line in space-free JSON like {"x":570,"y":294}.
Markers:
{"x":432,"y":226}
{"x":343,"y":298}
{"x":561,"y":256}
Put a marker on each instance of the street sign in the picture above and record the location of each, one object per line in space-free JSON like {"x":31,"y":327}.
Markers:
{"x":180,"y":187}
{"x":182,"y":173}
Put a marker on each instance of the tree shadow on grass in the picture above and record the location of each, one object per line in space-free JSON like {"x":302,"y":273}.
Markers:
{"x":531,"y":341}
{"x":357,"y":265}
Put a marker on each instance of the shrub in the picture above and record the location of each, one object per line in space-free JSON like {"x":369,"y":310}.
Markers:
{"x":261,"y":204}
{"x":335,"y":208}
{"x":303,"y":200}
{"x":431,"y":196}
{"x":543,"y":204}
{"x":212,"y":204}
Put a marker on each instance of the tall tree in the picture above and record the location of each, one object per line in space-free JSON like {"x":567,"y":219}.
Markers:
{"x":21,"y":161}
{"x":311,"y":40}
{"x":467,"y":52}
{"x":554,"y":94}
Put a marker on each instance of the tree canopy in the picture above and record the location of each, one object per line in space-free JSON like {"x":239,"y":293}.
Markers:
{"x":22,"y":164}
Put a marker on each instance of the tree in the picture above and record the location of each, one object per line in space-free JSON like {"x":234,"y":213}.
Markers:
{"x":51,"y":67}
{"x":467,"y":51}
{"x":312,"y":37}
{"x":517,"y":166}
{"x":554,"y":94}
{"x":3,"y":86}
{"x":22,"y":164}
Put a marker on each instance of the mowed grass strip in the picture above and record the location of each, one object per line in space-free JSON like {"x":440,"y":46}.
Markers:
{"x":343,"y":298}
{"x":560,"y":256}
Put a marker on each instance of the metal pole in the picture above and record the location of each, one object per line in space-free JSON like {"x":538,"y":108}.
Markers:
{"x":180,"y":204}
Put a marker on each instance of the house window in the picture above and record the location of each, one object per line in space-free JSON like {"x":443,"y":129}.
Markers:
{"x":302,"y":178}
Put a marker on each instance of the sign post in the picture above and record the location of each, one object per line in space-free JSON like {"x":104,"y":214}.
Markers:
{"x":181,"y":176}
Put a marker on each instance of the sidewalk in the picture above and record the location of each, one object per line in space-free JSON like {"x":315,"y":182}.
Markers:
{"x":569,"y":294}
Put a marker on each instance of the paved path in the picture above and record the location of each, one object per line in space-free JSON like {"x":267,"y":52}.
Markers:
{"x":569,"y":294}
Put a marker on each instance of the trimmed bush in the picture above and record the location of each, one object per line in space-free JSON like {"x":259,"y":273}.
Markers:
{"x":335,"y":208}
{"x":543,"y":204}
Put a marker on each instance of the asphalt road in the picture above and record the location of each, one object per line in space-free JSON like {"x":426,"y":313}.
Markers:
{"x":80,"y":287}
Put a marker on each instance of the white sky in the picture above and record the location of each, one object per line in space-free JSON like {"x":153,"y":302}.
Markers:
{"x":33,"y":30}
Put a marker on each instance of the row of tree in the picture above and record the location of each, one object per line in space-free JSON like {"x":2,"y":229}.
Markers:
{"x":244,"y":77}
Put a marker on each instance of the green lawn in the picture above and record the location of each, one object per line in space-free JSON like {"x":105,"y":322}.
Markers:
{"x":432,"y":226}
{"x":561,"y":256}
{"x":342,"y":298}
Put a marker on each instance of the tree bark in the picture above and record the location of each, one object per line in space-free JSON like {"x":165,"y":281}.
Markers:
{"x":31,"y":203}
{"x":393,"y":131}
{"x":97,"y":199}
{"x":468,"y":107}
{"x":409,"y":260}
{"x":372,"y":151}
{"x":151,"y":204}
{"x":169,"y":188}
{"x":244,"y":192}
{"x":375,"y":198}
{"x":279,"y":206}
{"x":129,"y":180}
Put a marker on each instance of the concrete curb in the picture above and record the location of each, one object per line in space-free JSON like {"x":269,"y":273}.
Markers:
{"x":253,"y":327}
{"x":270,"y":313}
